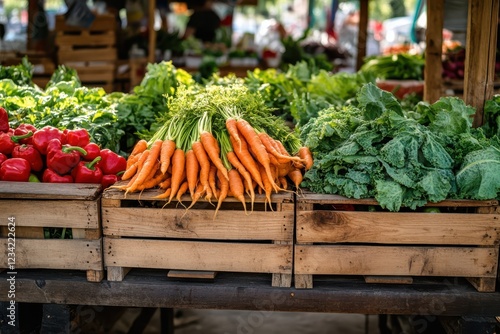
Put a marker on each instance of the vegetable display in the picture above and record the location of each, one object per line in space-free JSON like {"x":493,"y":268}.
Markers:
{"x":56,"y":156}
{"x":218,"y":141}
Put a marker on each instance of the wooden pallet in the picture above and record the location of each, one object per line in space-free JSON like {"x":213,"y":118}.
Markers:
{"x":140,"y":233}
{"x":392,"y":247}
{"x":33,"y":206}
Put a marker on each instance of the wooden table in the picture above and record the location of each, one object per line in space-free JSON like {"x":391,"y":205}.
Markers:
{"x":427,"y":298}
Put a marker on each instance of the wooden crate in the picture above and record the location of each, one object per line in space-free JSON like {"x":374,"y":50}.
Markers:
{"x":140,"y":233}
{"x":33,"y":206}
{"x":460,"y":241}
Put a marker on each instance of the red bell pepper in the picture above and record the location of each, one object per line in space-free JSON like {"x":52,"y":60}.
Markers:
{"x":24,"y":129}
{"x":77,"y":137}
{"x":87,"y":172}
{"x":52,"y":177}
{"x":93,"y":151}
{"x":4,"y":120}
{"x":3,"y":157}
{"x":8,"y":141}
{"x":42,"y":137}
{"x":15,"y":169}
{"x":109,"y":180}
{"x":111,"y":162}
{"x":29,"y":153}
{"x":62,"y":158}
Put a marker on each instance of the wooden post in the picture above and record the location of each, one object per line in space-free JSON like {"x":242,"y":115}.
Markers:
{"x":433,"y":51}
{"x":480,"y":54}
{"x":152,"y":32}
{"x":362,"y":32}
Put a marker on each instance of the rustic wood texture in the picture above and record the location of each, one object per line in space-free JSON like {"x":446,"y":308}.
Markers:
{"x":192,"y":274}
{"x":198,"y":224}
{"x":34,"y":190}
{"x":433,"y":51}
{"x":192,"y":255}
{"x":149,"y":288}
{"x":398,"y":228}
{"x":117,"y":274}
{"x":24,"y":232}
{"x":55,"y":254}
{"x":481,"y":54}
{"x":322,"y":199}
{"x":88,"y":54}
{"x":48,"y":213}
{"x":396,"y":261}
{"x":85,"y":38}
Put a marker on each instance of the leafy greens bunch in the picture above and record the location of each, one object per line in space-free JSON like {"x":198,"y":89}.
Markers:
{"x":373,"y":148}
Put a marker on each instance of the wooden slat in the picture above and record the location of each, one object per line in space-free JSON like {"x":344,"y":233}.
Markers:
{"x":396,"y":261}
{"x":198,"y":224}
{"x":47,"y":213}
{"x":117,"y":274}
{"x":85,"y":39}
{"x":481,"y":54}
{"x":33,"y":190}
{"x":398,"y":228}
{"x":205,"y":256}
{"x":191,"y":274}
{"x":55,"y":254}
{"x":314,"y":198}
{"x":433,"y":50}
{"x":24,"y":232}
{"x":103,"y":54}
{"x":363,"y":32}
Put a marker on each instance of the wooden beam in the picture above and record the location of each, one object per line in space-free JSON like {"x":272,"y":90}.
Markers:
{"x":433,"y":51}
{"x":480,"y":56}
{"x":363,"y":32}
{"x":152,"y":32}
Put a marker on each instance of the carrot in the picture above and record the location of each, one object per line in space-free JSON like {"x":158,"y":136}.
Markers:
{"x":196,"y":196}
{"x":258,"y":148}
{"x":165,"y":195}
{"x":132,"y":170}
{"x":283,"y":182}
{"x":139,"y":147}
{"x":233,"y":159}
{"x":192,"y":170}
{"x":182,"y":190}
{"x":306,"y":155}
{"x":271,"y":146}
{"x":204,"y":162}
{"x":148,"y":165}
{"x":178,"y":165}
{"x":212,"y":148}
{"x":236,"y":186}
{"x":211,"y":180}
{"x":268,"y":187}
{"x":167,"y":150}
{"x":232,"y":129}
{"x":247,"y":160}
{"x":296,"y":176}
{"x":283,"y":169}
{"x":166,"y":183}
{"x":132,"y":159}
{"x":152,"y":182}
{"x":224,"y":188}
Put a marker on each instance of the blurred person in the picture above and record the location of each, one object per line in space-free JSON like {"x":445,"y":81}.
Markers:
{"x":203,"y":23}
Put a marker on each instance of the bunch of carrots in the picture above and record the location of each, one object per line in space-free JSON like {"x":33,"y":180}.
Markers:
{"x":191,"y":154}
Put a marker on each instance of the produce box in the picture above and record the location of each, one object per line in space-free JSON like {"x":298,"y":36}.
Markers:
{"x":141,"y":232}
{"x":461,"y":240}
{"x":29,"y":211}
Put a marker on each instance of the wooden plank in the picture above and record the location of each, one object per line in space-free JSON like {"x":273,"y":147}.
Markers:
{"x":192,"y":255}
{"x":433,"y":51}
{"x":282,"y":280}
{"x":33,"y":190}
{"x":48,"y":213}
{"x":483,"y":284}
{"x":362,"y":32}
{"x":85,"y":39}
{"x":95,"y":275}
{"x":117,"y":274}
{"x":103,"y":54}
{"x":55,"y":254}
{"x":24,"y":232}
{"x":481,"y":55}
{"x":191,"y":274}
{"x":315,"y":198}
{"x":396,"y":261}
{"x":388,"y":279}
{"x":398,"y":228}
{"x":198,"y":224}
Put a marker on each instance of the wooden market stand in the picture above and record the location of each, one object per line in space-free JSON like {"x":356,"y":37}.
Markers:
{"x":454,"y":300}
